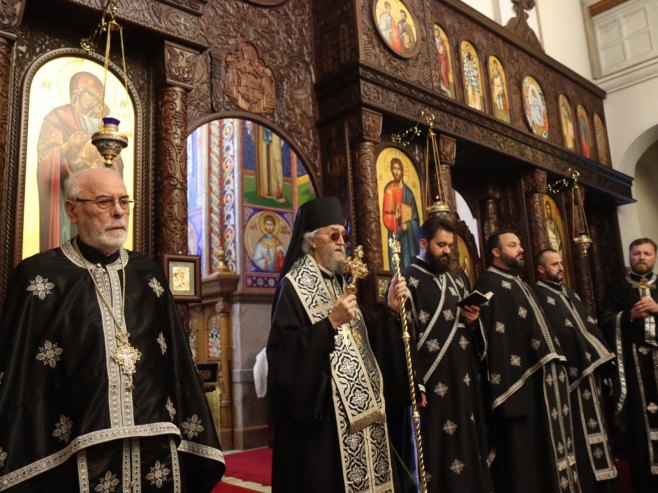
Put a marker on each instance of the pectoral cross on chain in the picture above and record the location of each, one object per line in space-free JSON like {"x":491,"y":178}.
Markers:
{"x":126,"y":356}
{"x":357,"y":269}
{"x":644,"y":285}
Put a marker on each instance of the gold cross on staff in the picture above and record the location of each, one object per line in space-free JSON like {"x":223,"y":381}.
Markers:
{"x":644,"y":285}
{"x":356,"y":268}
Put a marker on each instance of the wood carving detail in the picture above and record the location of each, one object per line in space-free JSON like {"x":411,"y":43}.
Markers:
{"x":249,"y":81}
{"x":519,"y":23}
{"x":172,"y":172}
{"x":194,"y":6}
{"x":287,"y":53}
{"x":5,"y":69}
{"x":179,"y":64}
{"x":199,"y":96}
{"x":168,"y":18}
{"x":372,"y":125}
{"x":334,"y":31}
{"x":11,"y":13}
{"x":366,"y":197}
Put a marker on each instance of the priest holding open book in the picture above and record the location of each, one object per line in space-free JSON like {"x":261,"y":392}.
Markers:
{"x":449,"y":346}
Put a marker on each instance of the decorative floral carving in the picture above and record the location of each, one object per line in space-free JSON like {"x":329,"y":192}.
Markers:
{"x":179,"y":64}
{"x":250,"y":82}
{"x":11,"y":13}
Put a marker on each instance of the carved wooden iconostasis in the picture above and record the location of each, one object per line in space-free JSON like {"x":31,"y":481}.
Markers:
{"x":243,"y":110}
{"x":518,"y":119}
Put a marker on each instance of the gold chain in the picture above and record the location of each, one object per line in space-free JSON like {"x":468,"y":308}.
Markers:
{"x":125,"y":355}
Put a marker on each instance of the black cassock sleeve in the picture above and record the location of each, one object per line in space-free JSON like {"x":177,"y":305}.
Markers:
{"x":620,"y":297}
{"x":299,"y":374}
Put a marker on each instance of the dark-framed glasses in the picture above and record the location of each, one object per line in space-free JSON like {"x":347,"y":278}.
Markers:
{"x":106,"y":204}
{"x":335,"y":235}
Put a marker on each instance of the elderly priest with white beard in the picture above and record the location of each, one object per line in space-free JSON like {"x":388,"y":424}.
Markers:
{"x":98,"y":391}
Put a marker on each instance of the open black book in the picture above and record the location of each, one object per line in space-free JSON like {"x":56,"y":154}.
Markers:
{"x":475,"y":298}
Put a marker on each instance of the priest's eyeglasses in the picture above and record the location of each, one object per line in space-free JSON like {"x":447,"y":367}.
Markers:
{"x":105,"y":204}
{"x":335,"y":235}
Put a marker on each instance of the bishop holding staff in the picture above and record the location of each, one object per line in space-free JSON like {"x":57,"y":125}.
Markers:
{"x":325,"y":385}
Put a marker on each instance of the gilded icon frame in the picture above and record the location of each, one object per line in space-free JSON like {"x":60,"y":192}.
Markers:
{"x":183,"y":274}
{"x":392,"y":41}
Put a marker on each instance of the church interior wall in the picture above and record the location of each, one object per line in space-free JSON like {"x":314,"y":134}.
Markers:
{"x":250,"y":331}
{"x":646,"y":177}
{"x":633,"y":129}
{"x":559,"y":17}
{"x":335,"y":123}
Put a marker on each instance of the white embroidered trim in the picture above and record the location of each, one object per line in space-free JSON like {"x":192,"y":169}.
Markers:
{"x":201,"y":450}
{"x":83,"y":442}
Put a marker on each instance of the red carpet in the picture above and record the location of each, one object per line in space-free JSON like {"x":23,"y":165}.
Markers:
{"x":251,"y":465}
{"x":230,"y":488}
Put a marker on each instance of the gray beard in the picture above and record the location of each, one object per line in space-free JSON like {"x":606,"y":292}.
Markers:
{"x":331,"y":264}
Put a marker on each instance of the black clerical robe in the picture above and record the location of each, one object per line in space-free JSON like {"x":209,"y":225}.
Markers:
{"x":587,"y":354}
{"x":68,"y":422}
{"x":447,"y":364}
{"x":636,"y":406}
{"x":317,"y":379}
{"x":527,"y":390}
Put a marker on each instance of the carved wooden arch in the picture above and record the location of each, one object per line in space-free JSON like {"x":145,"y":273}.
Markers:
{"x":19,"y":154}
{"x":313,"y":170}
